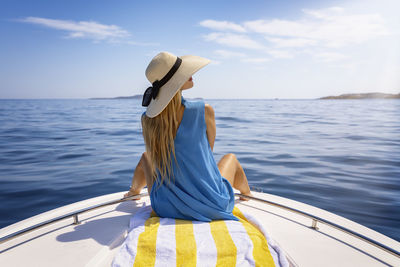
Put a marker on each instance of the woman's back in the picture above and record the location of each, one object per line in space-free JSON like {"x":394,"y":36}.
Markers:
{"x":196,"y":190}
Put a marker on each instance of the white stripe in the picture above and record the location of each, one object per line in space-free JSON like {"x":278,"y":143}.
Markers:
{"x":243,"y":243}
{"x":140,"y":217}
{"x":205,"y":245}
{"x":277,"y":253}
{"x":127,"y":254}
{"x":166,"y":244}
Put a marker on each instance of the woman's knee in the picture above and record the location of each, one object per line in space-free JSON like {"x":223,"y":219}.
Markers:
{"x":228,"y":163}
{"x":145,"y":158}
{"x":231,"y":156}
{"x":227,"y":160}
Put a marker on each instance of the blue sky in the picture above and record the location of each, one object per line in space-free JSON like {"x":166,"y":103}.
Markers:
{"x":259,"y":49}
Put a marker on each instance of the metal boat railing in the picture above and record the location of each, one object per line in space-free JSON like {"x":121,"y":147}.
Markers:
{"x":315,"y":221}
{"x":73,"y":214}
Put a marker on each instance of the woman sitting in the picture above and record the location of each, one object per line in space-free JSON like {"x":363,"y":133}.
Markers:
{"x":178,"y":167}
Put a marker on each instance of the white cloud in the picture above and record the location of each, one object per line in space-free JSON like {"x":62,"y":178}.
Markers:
{"x":329,"y":34}
{"x":233,"y":40}
{"x":256,"y":60}
{"x":329,"y":56}
{"x":226,"y":54}
{"x":222,"y":25}
{"x":215,"y":62}
{"x":229,"y":54}
{"x":330,"y":27}
{"x":280,"y":53}
{"x":291,"y":42}
{"x":277,"y":27}
{"x":325,"y":12}
{"x":82,"y":29}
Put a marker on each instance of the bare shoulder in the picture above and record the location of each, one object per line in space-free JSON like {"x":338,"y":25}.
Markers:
{"x":209,"y":111}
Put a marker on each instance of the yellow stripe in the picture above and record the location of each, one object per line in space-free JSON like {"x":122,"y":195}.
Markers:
{"x":226,"y":249}
{"x":185,"y":243}
{"x":146,"y":249}
{"x":261,"y":254}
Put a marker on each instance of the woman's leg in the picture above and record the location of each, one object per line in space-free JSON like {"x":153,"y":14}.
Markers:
{"x":141,"y":177}
{"x":231,"y":170}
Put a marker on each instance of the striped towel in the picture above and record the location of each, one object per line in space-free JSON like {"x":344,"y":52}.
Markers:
{"x":155,"y":241}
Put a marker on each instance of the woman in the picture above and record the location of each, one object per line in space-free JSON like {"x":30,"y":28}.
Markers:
{"x":178,"y":167}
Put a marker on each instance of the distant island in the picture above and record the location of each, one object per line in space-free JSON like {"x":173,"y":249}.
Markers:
{"x":363,"y":96}
{"x":130,"y":97}
{"x":343,"y":96}
{"x":118,"y":97}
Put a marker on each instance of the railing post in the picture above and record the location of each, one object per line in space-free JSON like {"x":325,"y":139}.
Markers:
{"x":314,"y":224}
{"x":76,"y":220}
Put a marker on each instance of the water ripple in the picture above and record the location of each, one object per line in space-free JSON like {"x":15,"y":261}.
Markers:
{"x":342,"y":156}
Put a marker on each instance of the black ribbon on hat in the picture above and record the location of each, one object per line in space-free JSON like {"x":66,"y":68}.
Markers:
{"x":152,"y":91}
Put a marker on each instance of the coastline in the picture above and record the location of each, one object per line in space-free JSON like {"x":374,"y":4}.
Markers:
{"x":373,"y":95}
{"x":363,"y":96}
{"x":118,"y":97}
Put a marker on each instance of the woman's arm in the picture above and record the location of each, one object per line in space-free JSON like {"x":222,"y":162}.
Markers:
{"x":210,"y":123}
{"x":141,"y":177}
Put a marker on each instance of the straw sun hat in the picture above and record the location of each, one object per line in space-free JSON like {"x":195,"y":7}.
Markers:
{"x":168,"y":73}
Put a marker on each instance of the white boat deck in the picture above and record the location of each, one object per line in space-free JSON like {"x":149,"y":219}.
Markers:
{"x":95,"y":241}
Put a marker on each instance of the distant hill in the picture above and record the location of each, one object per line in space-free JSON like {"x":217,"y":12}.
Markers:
{"x":364,"y":96}
{"x":118,"y":97}
{"x":132,"y":97}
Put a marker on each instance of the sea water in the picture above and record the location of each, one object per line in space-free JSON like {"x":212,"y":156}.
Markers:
{"x":339,"y":155}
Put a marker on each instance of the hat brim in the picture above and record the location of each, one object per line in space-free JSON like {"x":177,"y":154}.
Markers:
{"x":189,"y":66}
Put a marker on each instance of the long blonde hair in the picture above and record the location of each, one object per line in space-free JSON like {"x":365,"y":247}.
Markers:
{"x":159,"y":134}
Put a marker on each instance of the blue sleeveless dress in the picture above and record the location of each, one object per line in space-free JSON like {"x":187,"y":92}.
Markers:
{"x":197,"y":191}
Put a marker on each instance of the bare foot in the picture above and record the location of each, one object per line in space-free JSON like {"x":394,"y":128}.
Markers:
{"x":132,"y":193}
{"x":246,"y":194}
